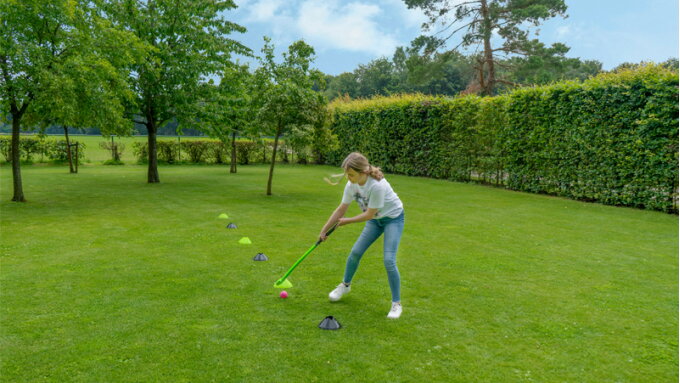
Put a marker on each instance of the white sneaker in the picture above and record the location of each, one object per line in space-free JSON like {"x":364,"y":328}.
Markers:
{"x":395,"y":311}
{"x":339,"y":291}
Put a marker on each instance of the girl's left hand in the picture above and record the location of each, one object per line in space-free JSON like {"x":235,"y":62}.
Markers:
{"x":342,"y":222}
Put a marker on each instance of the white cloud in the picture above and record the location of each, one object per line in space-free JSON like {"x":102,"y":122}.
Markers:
{"x":409,"y":17}
{"x":359,"y":26}
{"x":577,"y":34}
{"x":563,"y":31}
{"x":262,"y":10}
{"x":275,"y":14}
{"x":353,"y":27}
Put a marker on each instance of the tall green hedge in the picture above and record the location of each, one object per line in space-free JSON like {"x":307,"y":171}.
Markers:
{"x":611,"y":139}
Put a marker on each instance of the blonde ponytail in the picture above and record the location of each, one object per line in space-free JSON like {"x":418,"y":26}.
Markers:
{"x":357,"y":162}
{"x":375,"y":172}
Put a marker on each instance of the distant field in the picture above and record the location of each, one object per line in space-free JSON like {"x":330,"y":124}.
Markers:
{"x":95,"y":154}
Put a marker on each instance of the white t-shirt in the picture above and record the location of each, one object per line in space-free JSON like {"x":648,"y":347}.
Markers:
{"x":374,"y":194}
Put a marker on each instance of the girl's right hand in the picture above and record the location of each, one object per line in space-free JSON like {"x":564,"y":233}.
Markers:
{"x":322,"y":236}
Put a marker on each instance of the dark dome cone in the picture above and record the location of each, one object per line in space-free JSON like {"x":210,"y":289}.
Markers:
{"x":329,"y":323}
{"x":231,"y":226}
{"x":260,"y":257}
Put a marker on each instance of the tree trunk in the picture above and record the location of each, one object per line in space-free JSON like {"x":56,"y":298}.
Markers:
{"x":480,"y":74}
{"x":68,"y":151}
{"x":487,"y":89}
{"x":16,"y":158}
{"x":233,"y":153}
{"x":152,"y":175}
{"x":77,"y":156}
{"x":271,"y":168}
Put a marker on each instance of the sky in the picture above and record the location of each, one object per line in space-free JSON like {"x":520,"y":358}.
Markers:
{"x":347,"y":33}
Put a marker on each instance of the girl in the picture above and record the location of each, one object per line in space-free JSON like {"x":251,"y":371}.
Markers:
{"x":384,"y":212}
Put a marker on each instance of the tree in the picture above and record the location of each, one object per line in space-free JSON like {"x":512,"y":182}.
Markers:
{"x":342,"y":84}
{"x":376,"y":77}
{"x":56,"y":58}
{"x":190,"y":44}
{"x":420,"y":68}
{"x":323,"y":140}
{"x":229,"y":111}
{"x":283,"y":96}
{"x":670,"y":64}
{"x":417,"y":68}
{"x":548,"y":65}
{"x":481,"y":19}
{"x":90,"y":89}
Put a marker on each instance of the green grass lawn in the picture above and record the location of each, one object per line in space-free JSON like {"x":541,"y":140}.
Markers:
{"x":105,"y":278}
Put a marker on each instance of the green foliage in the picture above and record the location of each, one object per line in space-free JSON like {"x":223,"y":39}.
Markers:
{"x":189,"y":43}
{"x":113,"y":162}
{"x":217,"y":152}
{"x":410,"y":71}
{"x":197,"y":150}
{"x":168,"y":150}
{"x":285,"y":101}
{"x":247,"y":151}
{"x":670,"y":64}
{"x":414,"y":70}
{"x":509,"y":21}
{"x":227,"y":108}
{"x":57,"y":150}
{"x":116,"y":149}
{"x":545,"y":66}
{"x":205,"y":151}
{"x":141,"y":151}
{"x":62,"y":63}
{"x":612,"y":139}
{"x":284,"y":97}
{"x":323,"y":140}
{"x":29,"y":147}
{"x":6,"y":148}
{"x":299,"y":140}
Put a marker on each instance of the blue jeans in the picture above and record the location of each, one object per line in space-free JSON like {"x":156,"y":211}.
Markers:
{"x":392,"y":227}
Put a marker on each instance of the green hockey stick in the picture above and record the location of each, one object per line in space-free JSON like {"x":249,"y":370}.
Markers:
{"x":284,"y":283}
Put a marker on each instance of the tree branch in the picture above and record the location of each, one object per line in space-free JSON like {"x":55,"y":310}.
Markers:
{"x":506,"y":50}
{"x":503,"y":23}
{"x":506,"y":82}
{"x":24,"y":105}
{"x":164,"y":121}
{"x":454,"y":22}
{"x":172,"y":42}
{"x":467,"y":25}
{"x":466,"y":3}
{"x":502,"y":64}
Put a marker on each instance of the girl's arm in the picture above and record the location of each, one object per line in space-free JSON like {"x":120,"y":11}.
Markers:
{"x":365,"y":216}
{"x":337,"y":214}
